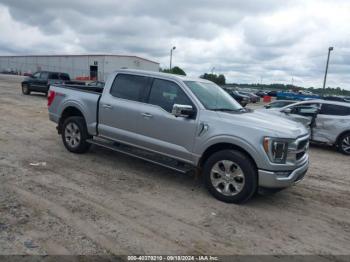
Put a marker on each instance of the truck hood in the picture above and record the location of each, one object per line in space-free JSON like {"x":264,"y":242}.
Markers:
{"x":269,"y":124}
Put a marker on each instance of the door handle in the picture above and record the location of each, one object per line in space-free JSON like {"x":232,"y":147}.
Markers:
{"x":147,"y":115}
{"x":106,"y":106}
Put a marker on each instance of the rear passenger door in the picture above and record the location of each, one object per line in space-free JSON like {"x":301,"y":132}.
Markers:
{"x":161,"y":131}
{"x":119,"y":109}
{"x":330,"y":122}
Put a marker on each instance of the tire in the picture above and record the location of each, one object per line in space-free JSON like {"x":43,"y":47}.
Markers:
{"x":230,"y":176}
{"x":343,"y":143}
{"x":74,"y":135}
{"x":25,"y":89}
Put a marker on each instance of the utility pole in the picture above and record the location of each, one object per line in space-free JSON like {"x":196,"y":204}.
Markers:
{"x":325,"y":74}
{"x":171,"y":55}
{"x":212,"y":70}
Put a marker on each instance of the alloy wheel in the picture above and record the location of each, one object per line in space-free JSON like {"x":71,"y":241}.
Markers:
{"x":345,"y":144}
{"x":227,"y":177}
{"x":72,"y":135}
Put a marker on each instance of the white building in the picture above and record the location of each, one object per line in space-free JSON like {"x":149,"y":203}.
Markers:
{"x":77,"y":66}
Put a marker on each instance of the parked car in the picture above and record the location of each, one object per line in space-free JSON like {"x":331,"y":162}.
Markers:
{"x":240,"y":98}
{"x":183,"y":124}
{"x":261,"y":93}
{"x":41,"y":81}
{"x":329,"y":121}
{"x":278,"y":104}
{"x":252,"y":97}
{"x":272,"y":93}
{"x":299,"y":96}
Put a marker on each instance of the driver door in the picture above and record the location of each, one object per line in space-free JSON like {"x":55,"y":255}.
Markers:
{"x":159,"y":129}
{"x":304,"y":113}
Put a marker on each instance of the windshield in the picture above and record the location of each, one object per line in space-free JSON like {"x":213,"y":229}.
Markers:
{"x":212,"y":96}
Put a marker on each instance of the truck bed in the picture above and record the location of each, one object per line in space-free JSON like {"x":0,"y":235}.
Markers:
{"x":96,"y":89}
{"x":84,"y":98}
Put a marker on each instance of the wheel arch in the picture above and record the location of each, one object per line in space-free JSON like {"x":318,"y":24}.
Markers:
{"x":223,"y":146}
{"x":341,"y":134}
{"x":68,"y":112}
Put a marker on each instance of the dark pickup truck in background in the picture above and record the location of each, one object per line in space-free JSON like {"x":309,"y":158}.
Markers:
{"x":41,"y":81}
{"x":243,"y":100}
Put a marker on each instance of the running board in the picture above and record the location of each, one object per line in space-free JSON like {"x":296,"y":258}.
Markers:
{"x":151,"y":157}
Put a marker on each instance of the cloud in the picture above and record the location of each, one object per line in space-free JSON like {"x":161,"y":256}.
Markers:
{"x":245,"y":40}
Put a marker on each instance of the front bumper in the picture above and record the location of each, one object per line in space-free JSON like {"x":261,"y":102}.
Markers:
{"x":271,"y":179}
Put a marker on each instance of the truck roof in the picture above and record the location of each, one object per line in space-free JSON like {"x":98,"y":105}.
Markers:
{"x":162,"y":75}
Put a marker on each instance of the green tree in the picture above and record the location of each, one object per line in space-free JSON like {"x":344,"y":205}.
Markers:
{"x":175,"y":70}
{"x":221,"y":80}
{"x":217,"y":79}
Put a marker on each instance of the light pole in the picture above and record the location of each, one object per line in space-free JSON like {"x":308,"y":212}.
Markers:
{"x":325,"y":74}
{"x":171,"y":55}
{"x":212,"y":70}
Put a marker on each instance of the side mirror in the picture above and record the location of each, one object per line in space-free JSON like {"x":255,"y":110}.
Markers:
{"x":182,"y":110}
{"x":267,"y":106}
{"x":287,"y":110}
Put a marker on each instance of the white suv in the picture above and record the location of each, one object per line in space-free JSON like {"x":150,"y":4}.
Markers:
{"x":329,"y":121}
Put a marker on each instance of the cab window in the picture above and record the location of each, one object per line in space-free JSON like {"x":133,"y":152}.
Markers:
{"x":335,"y":110}
{"x":130,"y":87}
{"x":166,"y":93}
{"x":305,"y":109}
{"x":36,"y":75}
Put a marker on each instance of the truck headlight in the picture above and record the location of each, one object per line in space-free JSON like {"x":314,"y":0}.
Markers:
{"x":276,"y":149}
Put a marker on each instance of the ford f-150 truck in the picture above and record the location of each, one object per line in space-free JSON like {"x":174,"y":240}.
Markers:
{"x":183,"y":124}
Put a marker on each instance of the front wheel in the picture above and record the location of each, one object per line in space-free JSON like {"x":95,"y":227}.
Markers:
{"x":230,"y":176}
{"x":344,"y":144}
{"x":25,"y":89}
{"x":75,"y":134}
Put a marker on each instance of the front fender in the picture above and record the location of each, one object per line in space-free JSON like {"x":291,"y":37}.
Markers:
{"x":249,"y":147}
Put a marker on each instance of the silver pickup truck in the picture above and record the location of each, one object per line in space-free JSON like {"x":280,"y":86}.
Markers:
{"x":183,"y":124}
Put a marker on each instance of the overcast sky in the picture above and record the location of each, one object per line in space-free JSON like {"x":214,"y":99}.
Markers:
{"x":248,"y":41}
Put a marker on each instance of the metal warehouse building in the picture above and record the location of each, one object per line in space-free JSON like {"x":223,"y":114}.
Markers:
{"x":83,"y":67}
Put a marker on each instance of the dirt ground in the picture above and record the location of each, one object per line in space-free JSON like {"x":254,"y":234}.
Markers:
{"x":55,"y":202}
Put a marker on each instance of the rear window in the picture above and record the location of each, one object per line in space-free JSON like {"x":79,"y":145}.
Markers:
{"x":130,"y":87}
{"x":54,"y":76}
{"x":335,"y":110}
{"x":64,"y":77}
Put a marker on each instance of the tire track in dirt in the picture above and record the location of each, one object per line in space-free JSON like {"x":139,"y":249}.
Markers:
{"x":148,"y":229}
{"x":89,"y":229}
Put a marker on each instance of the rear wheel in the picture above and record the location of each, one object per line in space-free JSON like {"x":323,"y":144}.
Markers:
{"x":74,"y":135}
{"x":230,"y":176}
{"x":344,"y":143}
{"x":25,"y":89}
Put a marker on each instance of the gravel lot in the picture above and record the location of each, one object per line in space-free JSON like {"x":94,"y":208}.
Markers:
{"x":55,"y":202}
